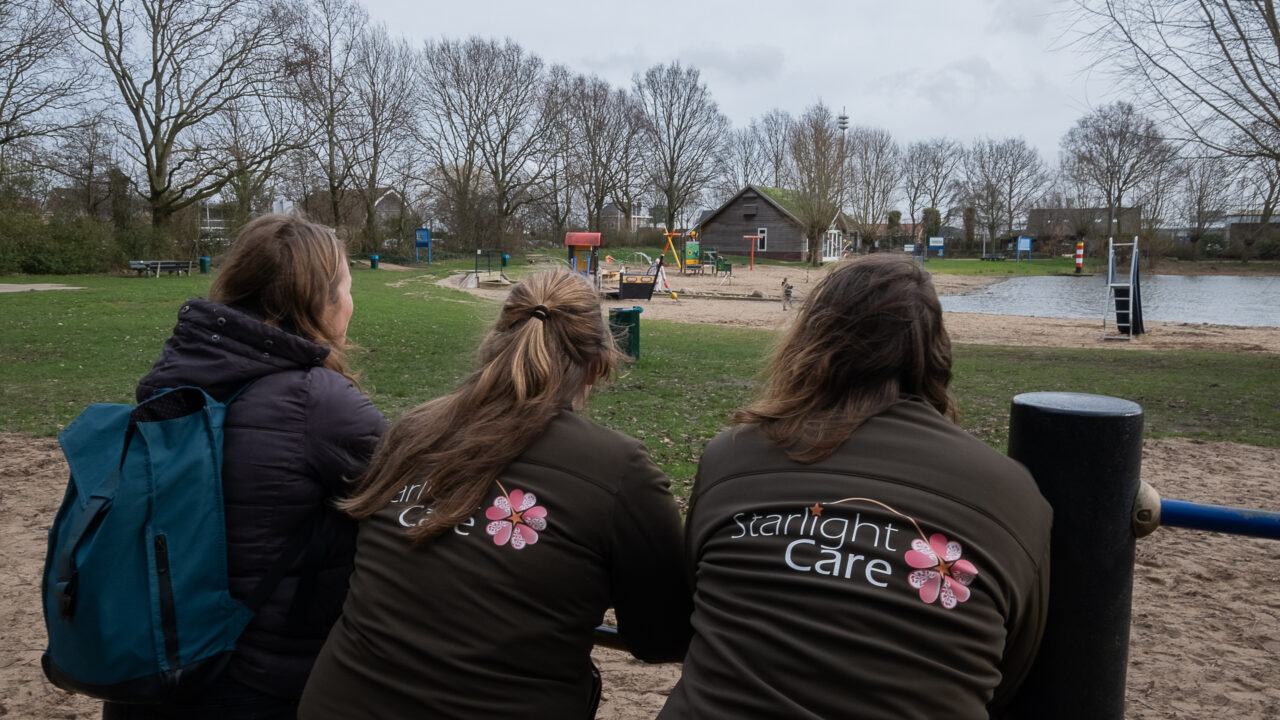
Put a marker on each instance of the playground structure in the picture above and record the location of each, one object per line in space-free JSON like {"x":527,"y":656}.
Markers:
{"x":1124,"y":294}
{"x":671,"y":246}
{"x":584,"y":255}
{"x":1101,"y":508}
{"x":486,"y":276}
{"x":753,"y":239}
{"x":692,"y":256}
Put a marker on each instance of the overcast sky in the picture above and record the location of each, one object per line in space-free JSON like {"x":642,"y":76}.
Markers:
{"x":919,"y":68}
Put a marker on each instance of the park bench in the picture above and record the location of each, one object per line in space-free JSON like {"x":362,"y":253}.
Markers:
{"x":155,"y":267}
{"x":993,"y":256}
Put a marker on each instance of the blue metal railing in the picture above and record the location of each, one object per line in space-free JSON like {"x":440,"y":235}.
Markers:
{"x":1220,"y":518}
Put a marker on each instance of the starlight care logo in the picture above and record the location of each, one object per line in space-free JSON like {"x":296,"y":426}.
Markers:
{"x":826,"y":545}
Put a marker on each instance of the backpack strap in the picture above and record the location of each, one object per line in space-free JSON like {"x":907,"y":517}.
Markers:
{"x":65,"y":587}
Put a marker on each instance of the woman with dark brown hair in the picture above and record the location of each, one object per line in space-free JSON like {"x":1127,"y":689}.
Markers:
{"x":497,"y":526}
{"x":274,"y":330}
{"x":856,"y":554}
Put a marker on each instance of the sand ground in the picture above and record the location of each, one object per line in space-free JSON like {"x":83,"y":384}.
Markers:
{"x":1205,"y":638}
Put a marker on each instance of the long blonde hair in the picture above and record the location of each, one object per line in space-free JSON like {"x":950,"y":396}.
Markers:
{"x":870,"y":332}
{"x":549,"y":343}
{"x":286,"y":270}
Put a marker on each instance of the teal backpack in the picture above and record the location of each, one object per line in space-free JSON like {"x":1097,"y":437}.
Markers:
{"x":136,"y":600}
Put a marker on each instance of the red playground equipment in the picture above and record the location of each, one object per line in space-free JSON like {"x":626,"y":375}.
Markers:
{"x":584,"y":255}
{"x":753,"y":239}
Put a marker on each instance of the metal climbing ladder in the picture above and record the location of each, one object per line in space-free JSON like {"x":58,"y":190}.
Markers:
{"x":1122,"y":294}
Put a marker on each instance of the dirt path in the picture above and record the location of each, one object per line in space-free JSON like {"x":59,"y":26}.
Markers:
{"x":13,"y":287}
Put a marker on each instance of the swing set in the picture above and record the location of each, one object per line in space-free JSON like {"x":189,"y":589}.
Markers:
{"x":671,"y":236}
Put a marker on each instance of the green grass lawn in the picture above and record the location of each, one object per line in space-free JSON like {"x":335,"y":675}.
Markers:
{"x":974,"y":266}
{"x":60,"y":351}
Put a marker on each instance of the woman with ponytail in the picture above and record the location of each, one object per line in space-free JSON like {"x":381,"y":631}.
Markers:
{"x":496,"y":527}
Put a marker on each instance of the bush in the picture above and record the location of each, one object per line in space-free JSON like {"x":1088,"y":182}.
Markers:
{"x":63,"y":245}
{"x":1267,"y":249}
{"x":143,"y":243}
{"x":20,"y":233}
{"x":1180,"y":251}
{"x":72,"y":244}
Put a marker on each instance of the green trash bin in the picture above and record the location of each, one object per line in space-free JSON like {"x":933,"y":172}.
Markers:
{"x":204,"y":265}
{"x":625,"y":325}
{"x":373,"y":262}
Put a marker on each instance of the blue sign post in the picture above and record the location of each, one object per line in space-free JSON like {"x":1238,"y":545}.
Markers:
{"x":422,"y":238}
{"x":1024,"y":245}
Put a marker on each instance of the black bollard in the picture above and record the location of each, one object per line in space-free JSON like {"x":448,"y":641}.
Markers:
{"x":1085,"y":453}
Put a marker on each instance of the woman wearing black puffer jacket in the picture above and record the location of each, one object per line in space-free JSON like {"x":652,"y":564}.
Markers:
{"x":275,"y":326}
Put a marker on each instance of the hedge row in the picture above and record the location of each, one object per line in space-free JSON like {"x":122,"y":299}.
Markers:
{"x":66,"y":245}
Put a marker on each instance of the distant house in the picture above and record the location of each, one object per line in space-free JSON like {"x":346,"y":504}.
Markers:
{"x":319,"y":207}
{"x":613,"y":218}
{"x":770,"y":214}
{"x":1076,"y":223}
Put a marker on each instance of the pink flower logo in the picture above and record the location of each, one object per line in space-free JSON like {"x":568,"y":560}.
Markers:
{"x":517,"y":517}
{"x":942,"y":571}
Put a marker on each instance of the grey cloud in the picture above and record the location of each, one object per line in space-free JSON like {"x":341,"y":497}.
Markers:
{"x":742,"y":63}
{"x":1024,"y":17}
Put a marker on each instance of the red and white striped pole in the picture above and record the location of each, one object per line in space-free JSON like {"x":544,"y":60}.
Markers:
{"x":1079,"y":257}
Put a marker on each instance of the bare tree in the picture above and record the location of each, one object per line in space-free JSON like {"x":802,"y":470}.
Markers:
{"x":258,"y":134}
{"x":1002,"y":178}
{"x":871,"y":178}
{"x":915,"y":175}
{"x":1206,"y":190}
{"x":1261,"y":186}
{"x":39,"y":78}
{"x":684,"y":130}
{"x":402,"y":175}
{"x":817,"y":157}
{"x":383,"y":85}
{"x":740,"y":162}
{"x":1156,"y":197}
{"x":514,"y":136}
{"x":1210,"y":65}
{"x":774,"y":130}
{"x":84,"y":153}
{"x":326,"y":56}
{"x":450,"y":140}
{"x":1113,"y":150}
{"x":1025,"y":177}
{"x":576,"y":165}
{"x":489,"y":123}
{"x":595,"y":136}
{"x":177,"y":65}
{"x":942,"y":159}
{"x":630,"y":179}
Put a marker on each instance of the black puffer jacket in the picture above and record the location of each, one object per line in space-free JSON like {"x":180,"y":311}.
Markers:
{"x":292,"y":440}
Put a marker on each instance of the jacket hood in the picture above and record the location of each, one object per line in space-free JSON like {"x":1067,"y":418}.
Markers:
{"x":221,"y":349}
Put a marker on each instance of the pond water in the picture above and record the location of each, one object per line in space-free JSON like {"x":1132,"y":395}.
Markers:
{"x":1214,"y":299}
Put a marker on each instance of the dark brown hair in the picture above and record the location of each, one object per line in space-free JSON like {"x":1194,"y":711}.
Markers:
{"x":286,"y":270}
{"x":548,"y":345}
{"x":870,"y":333}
